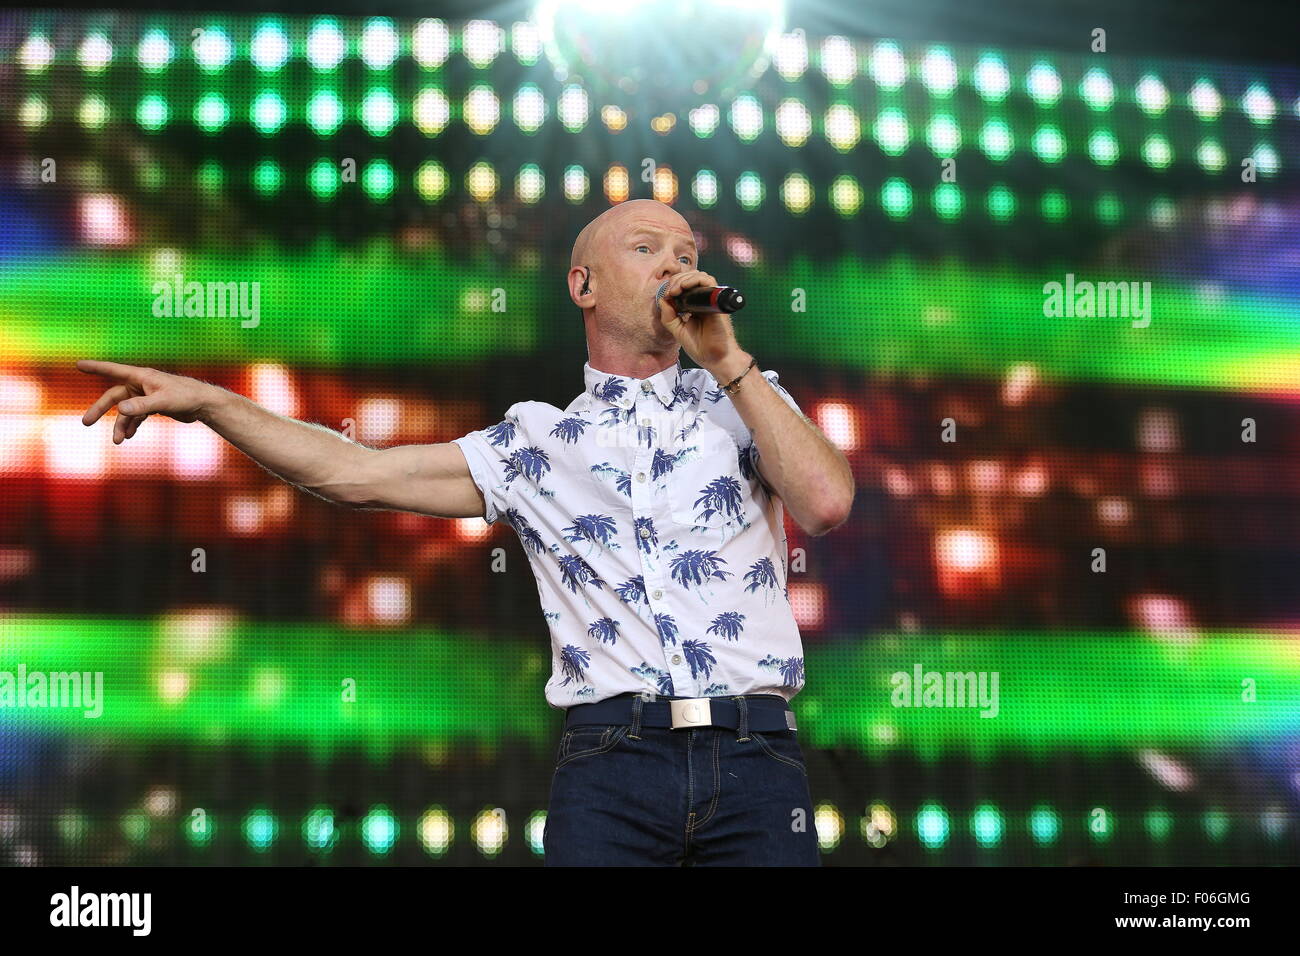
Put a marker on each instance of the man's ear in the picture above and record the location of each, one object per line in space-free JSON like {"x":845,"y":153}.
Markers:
{"x":584,"y":290}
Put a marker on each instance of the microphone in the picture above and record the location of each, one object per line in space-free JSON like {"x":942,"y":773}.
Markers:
{"x":706,"y":300}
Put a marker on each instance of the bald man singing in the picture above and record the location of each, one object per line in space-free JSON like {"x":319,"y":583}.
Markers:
{"x":651,"y":513}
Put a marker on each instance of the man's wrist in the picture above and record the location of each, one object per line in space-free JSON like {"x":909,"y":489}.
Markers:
{"x":733,"y":365}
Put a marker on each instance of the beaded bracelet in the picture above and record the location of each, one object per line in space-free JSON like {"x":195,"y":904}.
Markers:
{"x":734,"y":385}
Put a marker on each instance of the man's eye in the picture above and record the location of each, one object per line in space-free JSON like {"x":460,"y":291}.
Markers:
{"x":687,"y":258}
{"x":642,"y":246}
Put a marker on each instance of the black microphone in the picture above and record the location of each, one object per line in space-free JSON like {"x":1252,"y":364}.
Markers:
{"x":706,"y":299}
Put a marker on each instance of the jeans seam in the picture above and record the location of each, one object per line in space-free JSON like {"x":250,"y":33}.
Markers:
{"x":717,"y":788}
{"x":776,"y":756}
{"x":608,"y":742}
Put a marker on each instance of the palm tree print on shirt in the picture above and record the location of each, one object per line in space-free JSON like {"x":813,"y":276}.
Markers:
{"x":762,"y":574}
{"x":604,"y":630}
{"x":569,"y":430}
{"x":632,"y":591}
{"x":502,"y":434}
{"x":575,"y":571}
{"x":715,"y":690}
{"x":700,"y":656}
{"x":667,"y":629}
{"x":728,"y":625}
{"x":609,"y":390}
{"x":528,"y":535}
{"x":644,"y":541}
{"x":719,"y":496}
{"x":574,"y":662}
{"x":695,"y":568}
{"x":530,"y":462}
{"x":594,"y":529}
{"x":790,"y":669}
{"x":622,"y":480}
{"x":663,"y":681}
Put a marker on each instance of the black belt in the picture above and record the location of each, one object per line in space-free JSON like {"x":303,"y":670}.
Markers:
{"x":765,"y":713}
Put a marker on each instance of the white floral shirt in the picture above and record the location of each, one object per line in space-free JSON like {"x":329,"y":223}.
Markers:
{"x":659,"y":554}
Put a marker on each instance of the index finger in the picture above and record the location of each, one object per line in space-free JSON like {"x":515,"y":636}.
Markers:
{"x":129,"y":373}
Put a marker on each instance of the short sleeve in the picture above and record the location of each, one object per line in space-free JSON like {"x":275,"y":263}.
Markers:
{"x":488,"y":453}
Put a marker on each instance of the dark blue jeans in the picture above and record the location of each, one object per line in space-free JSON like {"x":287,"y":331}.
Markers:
{"x":684,"y":797}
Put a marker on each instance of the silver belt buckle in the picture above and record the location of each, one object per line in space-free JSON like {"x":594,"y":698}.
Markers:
{"x":691,"y":712}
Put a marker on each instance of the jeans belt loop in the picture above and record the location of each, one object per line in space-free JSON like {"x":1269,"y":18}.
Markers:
{"x":742,"y":732}
{"x":637,"y":702}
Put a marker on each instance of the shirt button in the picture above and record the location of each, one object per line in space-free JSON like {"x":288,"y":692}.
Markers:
{"x":640,"y":476}
{"x":677,"y":658}
{"x":658,"y":595}
{"x":646,"y":387}
{"x":645,"y":532}
{"x":646,"y":422}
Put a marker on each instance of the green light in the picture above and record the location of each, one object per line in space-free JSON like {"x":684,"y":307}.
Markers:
{"x":749,"y":191}
{"x":896,"y":198}
{"x":379,"y":830}
{"x":943,"y":136}
{"x":267,"y":177}
{"x":1049,"y":144}
{"x":326,"y":45}
{"x":318,"y":830}
{"x":211,"y":113}
{"x":987,"y":825}
{"x":378,"y":179}
{"x":268,"y":113}
{"x":152,"y":113}
{"x":1044,"y":84}
{"x":996,"y":140}
{"x":1054,"y":206}
{"x":135,"y":825}
{"x":1001,"y":203}
{"x":1109,"y":209}
{"x":1158,"y":823}
{"x":379,"y":112}
{"x":1157,"y":152}
{"x":932,"y":826}
{"x":324,"y":112}
{"x":1103,"y":148}
{"x":846,"y":195}
{"x":155,"y":51}
{"x":1044,"y":825}
{"x":210,"y":177}
{"x":323,"y":179}
{"x":947,"y":200}
{"x":1266,"y":158}
{"x":212,"y":49}
{"x":891,"y":131}
{"x":1216,"y":824}
{"x":1210,"y":154}
{"x":260,"y":829}
{"x":992,"y":80}
{"x":704,"y":187}
{"x":199,"y":828}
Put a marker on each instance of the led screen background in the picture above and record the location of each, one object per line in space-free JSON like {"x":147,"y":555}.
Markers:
{"x":1149,"y":691}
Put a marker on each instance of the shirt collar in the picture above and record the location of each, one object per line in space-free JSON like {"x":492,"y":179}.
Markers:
{"x":622,"y":391}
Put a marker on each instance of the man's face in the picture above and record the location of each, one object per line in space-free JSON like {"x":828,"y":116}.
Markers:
{"x":638,"y":250}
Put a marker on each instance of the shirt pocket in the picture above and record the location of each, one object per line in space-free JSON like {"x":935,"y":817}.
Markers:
{"x":705,"y":488}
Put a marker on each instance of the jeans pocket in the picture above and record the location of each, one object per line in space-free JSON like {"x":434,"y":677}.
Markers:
{"x":586,"y":740}
{"x":783,"y":747}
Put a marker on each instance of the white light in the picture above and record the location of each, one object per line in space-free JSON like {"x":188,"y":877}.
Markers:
{"x":839,"y":61}
{"x":576,"y":184}
{"x":103,"y":221}
{"x":74,"y":451}
{"x":213,"y":49}
{"x":1205,"y":100}
{"x":1258,"y":105}
{"x":888,"y":66}
{"x":1152,"y":95}
{"x":155,"y":51}
{"x":529,"y":108}
{"x":1097,"y":90}
{"x":1044,"y":84}
{"x":704,"y":187}
{"x":482,"y":40}
{"x":270,"y":48}
{"x":430,"y":43}
{"x":379,"y":44}
{"x":36,"y":54}
{"x":839,"y":421}
{"x":573,"y":108}
{"x":482,"y":110}
{"x":791,"y":55}
{"x":326,"y":46}
{"x":704,"y":119}
{"x":992,"y":80}
{"x":746,"y":116}
{"x":843,"y":130}
{"x":938,"y":72}
{"x":431,"y":111}
{"x":271,"y":386}
{"x":525,"y":42}
{"x":95,"y":53}
{"x":389,"y":599}
{"x":793,"y":123}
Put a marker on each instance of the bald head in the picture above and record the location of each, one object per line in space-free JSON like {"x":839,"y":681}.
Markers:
{"x":591,"y":242}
